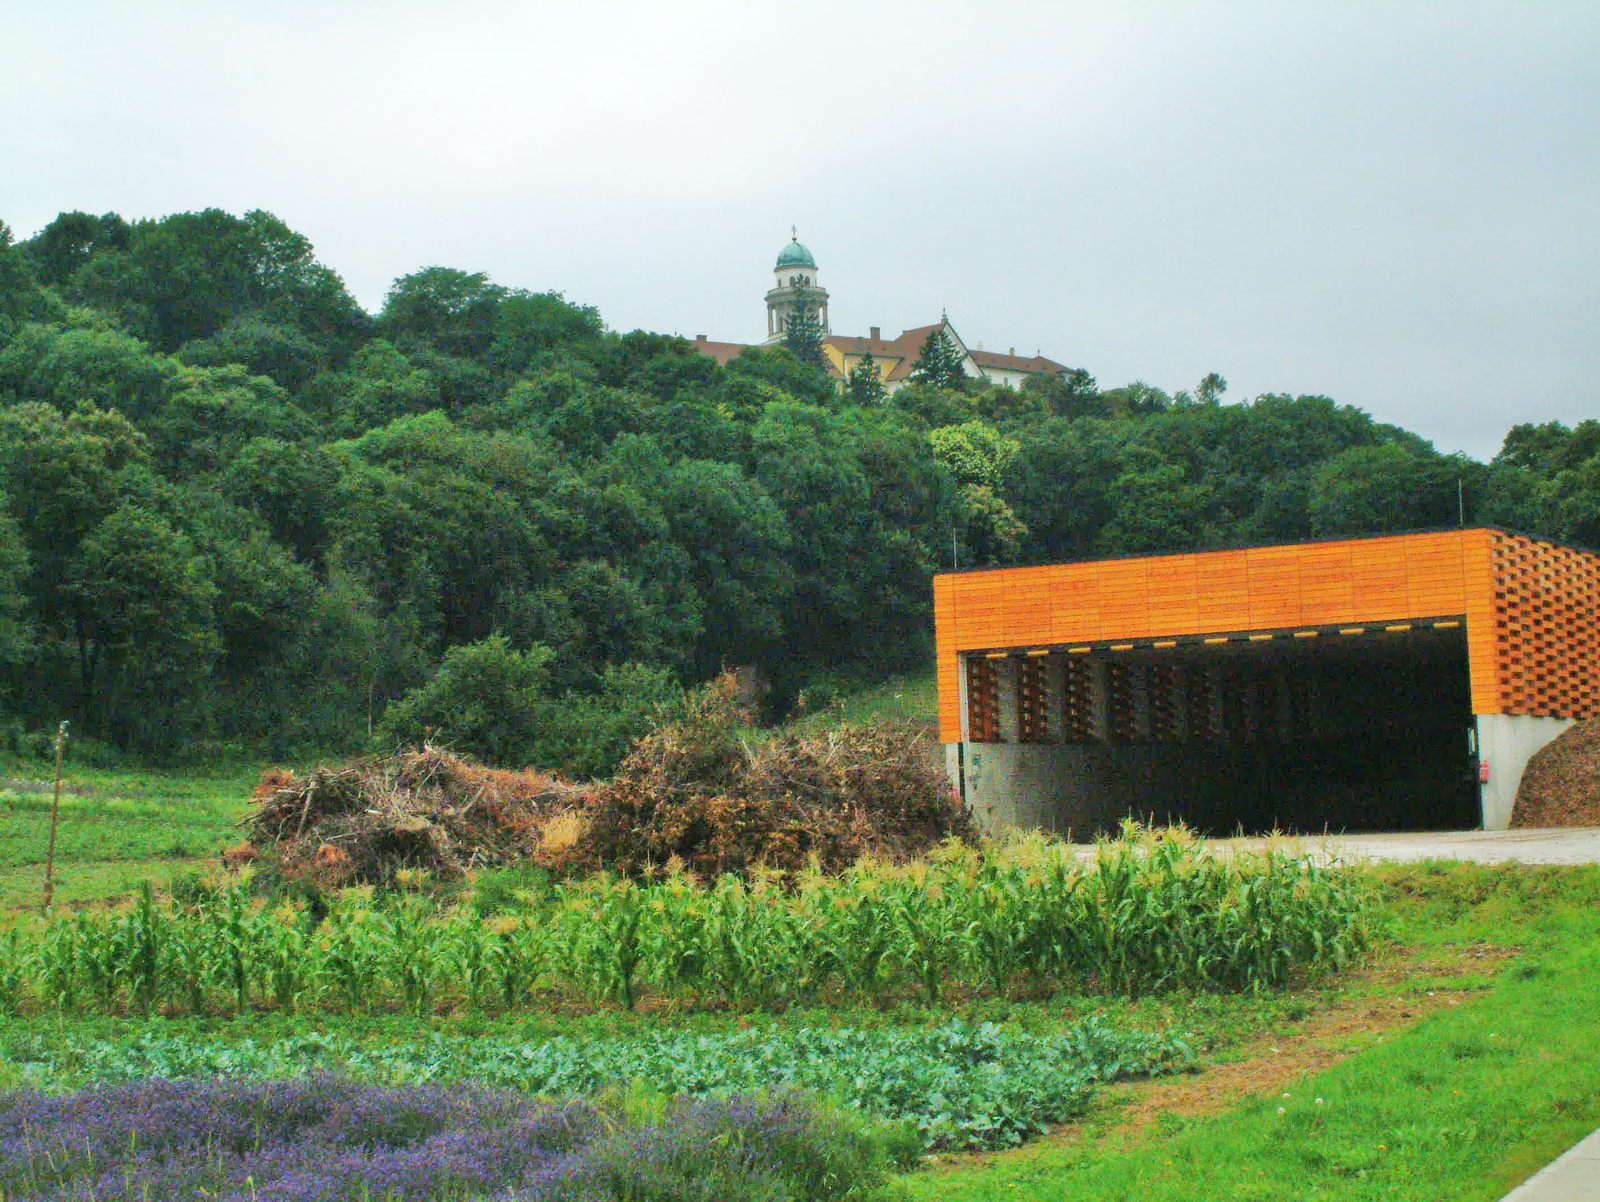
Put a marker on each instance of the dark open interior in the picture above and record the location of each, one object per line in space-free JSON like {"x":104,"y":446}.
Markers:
{"x":1367,"y":732}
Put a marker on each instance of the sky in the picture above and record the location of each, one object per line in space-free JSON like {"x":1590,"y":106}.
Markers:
{"x":1392,"y":204}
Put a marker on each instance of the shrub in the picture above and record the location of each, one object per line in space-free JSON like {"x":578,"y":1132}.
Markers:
{"x":486,"y":700}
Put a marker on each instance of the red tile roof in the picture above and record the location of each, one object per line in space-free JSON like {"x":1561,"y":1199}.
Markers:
{"x":897,"y":357}
{"x":1038,"y":364}
{"x":722,"y":352}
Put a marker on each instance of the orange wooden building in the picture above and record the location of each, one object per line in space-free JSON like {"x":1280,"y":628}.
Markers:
{"x":1374,"y":683}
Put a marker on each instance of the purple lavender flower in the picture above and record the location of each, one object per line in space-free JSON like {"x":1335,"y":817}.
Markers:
{"x":327,"y":1139}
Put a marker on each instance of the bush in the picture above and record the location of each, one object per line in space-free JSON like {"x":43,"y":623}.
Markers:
{"x":491,"y":702}
{"x":485,"y":700}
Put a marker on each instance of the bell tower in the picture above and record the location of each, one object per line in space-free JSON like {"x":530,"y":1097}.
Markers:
{"x":795,"y":279}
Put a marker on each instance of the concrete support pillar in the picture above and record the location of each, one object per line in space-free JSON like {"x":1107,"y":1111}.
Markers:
{"x":1055,"y":699}
{"x":961,"y":695}
{"x":1506,"y":742}
{"x":1006,"y":675}
{"x":1100,"y":698}
{"x":1180,"y":704}
{"x":1139,"y":687}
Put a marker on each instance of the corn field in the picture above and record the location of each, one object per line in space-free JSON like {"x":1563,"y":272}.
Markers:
{"x":1150,"y":912}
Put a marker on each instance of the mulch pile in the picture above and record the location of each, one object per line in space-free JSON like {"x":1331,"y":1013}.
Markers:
{"x":422,"y":810}
{"x":698,"y":794}
{"x":1561,"y":785}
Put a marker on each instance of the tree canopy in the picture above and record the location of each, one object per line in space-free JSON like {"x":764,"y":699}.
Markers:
{"x":237,"y":509}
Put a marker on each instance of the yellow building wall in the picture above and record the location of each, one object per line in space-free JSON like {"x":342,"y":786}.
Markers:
{"x":1259,"y":590}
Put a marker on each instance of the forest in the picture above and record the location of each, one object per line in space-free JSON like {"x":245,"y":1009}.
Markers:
{"x":239,"y":513}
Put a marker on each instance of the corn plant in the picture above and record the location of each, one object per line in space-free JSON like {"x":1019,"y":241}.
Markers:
{"x":233,"y":934}
{"x":13,"y":971}
{"x":98,"y":959}
{"x":283,"y":959}
{"x":516,"y":954}
{"x":55,"y":965}
{"x":1147,"y":912}
{"x":466,"y":952}
{"x":409,"y":949}
{"x":349,"y":960}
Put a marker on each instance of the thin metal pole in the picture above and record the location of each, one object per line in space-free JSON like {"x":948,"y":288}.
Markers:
{"x":55,"y":811}
{"x":1461,"y":502}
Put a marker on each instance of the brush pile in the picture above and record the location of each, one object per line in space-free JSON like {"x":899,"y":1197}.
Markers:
{"x":703,"y":796}
{"x":425,"y":810}
{"x":1561,"y":785}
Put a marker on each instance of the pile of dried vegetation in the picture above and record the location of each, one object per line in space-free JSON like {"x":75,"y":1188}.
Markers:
{"x":425,"y":810}
{"x":1561,"y":785}
{"x":700,"y":793}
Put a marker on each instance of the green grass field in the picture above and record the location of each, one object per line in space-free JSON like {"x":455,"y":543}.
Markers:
{"x":1469,"y":1062}
{"x":116,"y":828}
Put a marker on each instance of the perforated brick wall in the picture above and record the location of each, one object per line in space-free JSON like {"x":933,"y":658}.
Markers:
{"x":1547,"y":628}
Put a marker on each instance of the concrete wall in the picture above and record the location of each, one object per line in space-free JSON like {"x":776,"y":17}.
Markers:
{"x":1506,"y":742}
{"x":1081,"y":787}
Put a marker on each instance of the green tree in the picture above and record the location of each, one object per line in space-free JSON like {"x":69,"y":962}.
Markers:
{"x":148,"y":638}
{"x":486,"y":700}
{"x":866,"y":382}
{"x":292,"y":487}
{"x":17,"y":631}
{"x":457,"y":312}
{"x":978,"y":457}
{"x":802,"y":334}
{"x":72,"y":239}
{"x":64,"y":476}
{"x":1382,"y":489}
{"x":183,"y":278}
{"x":940,"y":364}
{"x":529,"y":325}
{"x":21,"y":298}
{"x":1073,"y":393}
{"x":266,"y":348}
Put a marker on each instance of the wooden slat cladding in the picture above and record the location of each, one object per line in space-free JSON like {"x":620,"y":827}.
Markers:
{"x":1547,"y":628}
{"x":983,"y":703}
{"x":1549,"y":604}
{"x":1033,"y":717}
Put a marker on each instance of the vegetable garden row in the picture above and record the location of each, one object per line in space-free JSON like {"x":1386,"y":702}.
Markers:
{"x":958,"y":1084}
{"x":1146,"y":914}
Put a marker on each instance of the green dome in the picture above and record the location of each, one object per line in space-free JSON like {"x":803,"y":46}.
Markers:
{"x":794,"y":255}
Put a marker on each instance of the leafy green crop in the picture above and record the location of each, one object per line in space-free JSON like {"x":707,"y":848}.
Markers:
{"x":962,"y":1084}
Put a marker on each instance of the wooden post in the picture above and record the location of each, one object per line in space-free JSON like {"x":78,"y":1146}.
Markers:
{"x":55,"y":810}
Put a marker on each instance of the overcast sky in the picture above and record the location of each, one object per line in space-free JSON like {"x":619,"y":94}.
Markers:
{"x":1394,"y":204}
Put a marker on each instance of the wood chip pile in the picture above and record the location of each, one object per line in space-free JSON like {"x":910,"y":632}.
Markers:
{"x":1561,"y":785}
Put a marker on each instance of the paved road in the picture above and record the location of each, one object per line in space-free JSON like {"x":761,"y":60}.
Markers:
{"x":1573,"y":1178}
{"x":1549,"y":845}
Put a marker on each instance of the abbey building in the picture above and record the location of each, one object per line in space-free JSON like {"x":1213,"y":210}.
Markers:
{"x":795,"y":283}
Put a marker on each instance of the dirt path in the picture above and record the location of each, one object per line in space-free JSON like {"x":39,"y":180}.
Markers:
{"x":1376,"y":1005}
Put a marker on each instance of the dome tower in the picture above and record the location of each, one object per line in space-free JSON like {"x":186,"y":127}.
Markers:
{"x":795,"y":279}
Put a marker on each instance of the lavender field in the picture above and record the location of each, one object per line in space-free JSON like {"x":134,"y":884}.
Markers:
{"x":328,"y":1139}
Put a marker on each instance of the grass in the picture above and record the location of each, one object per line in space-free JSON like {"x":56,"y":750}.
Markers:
{"x":1463,"y":1104}
{"x":915,"y":696}
{"x":116,"y":828}
{"x":1462,"y":1061}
